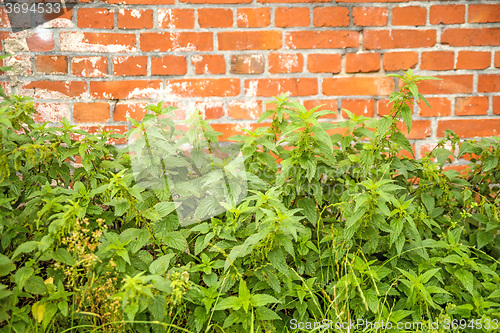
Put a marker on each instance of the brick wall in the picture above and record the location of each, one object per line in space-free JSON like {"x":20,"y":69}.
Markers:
{"x":102,"y":60}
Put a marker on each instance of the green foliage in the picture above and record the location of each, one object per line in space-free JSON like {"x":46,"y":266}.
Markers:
{"x":335,"y":226}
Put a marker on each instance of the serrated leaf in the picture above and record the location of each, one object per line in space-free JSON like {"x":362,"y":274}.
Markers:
{"x":176,"y":240}
{"x":484,"y":237}
{"x":277,"y":258}
{"x":466,"y":278}
{"x":160,"y":265}
{"x":165,"y":208}
{"x":264,"y":313}
{"x":24,"y":248}
{"x":309,"y":209}
{"x":263,"y":299}
{"x":406,"y":115}
{"x":401,"y":140}
{"x":35,"y":285}
{"x":231,"y":302}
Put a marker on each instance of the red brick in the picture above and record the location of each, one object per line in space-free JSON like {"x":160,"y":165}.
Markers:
{"x":209,"y":64}
{"x":471,"y":106}
{"x":247,"y":64}
{"x":471,"y":37}
{"x":176,"y":41}
{"x":41,"y":41}
{"x":447,"y":14}
{"x":324,"y":63}
{"x":133,"y":110}
{"x":125,"y":89}
{"x":473,"y":60}
{"x":211,"y":110}
{"x":135,"y":19}
{"x":484,"y":13}
{"x":95,"y":18}
{"x":372,"y":0}
{"x":130,"y":66}
{"x":276,"y":87}
{"x":370,"y":16}
{"x":360,"y":107}
{"x":249,"y":40}
{"x":470,"y":128}
{"x":141,"y":2}
{"x":248,"y":109}
{"x":65,"y":16}
{"x":51,"y":112}
{"x":411,"y":15}
{"x":440,"y":107}
{"x":420,"y":129}
{"x":488,"y":83}
{"x":450,"y":84}
{"x":496,"y":104}
{"x":328,"y":104}
{"x":285,"y":62}
{"x":497,"y":59}
{"x":48,"y":64}
{"x":4,"y":18}
{"x":54,"y":89}
{"x":215,"y":18}
{"x":358,"y":86}
{"x":209,"y":2}
{"x":321,"y":39}
{"x":293,"y":1}
{"x":395,"y":39}
{"x":176,"y":18}
{"x":437,"y":60}
{"x":89,"y":66}
{"x":362,"y":62}
{"x":91,"y":112}
{"x":331,"y":17}
{"x":229,"y":130}
{"x":97,"y":42}
{"x":384,"y":107}
{"x":253,"y":17}
{"x":291,"y":17}
{"x":203,"y":87}
{"x":395,"y":61}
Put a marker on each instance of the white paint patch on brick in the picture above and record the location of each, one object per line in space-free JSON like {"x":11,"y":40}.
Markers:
{"x":289,"y":61}
{"x":243,"y":17}
{"x":166,"y":13}
{"x":75,"y":41}
{"x":144,"y":93}
{"x":52,"y":112}
{"x":252,"y":106}
{"x":135,"y":13}
{"x":196,"y":58}
{"x":253,"y":86}
{"x":176,"y":47}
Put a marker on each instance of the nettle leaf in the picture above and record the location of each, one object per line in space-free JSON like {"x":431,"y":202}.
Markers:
{"x":262,"y":299}
{"x":402,"y":141}
{"x":6,"y":265}
{"x":231,"y":302}
{"x":160,"y":265}
{"x":165,"y":208}
{"x":484,"y":238}
{"x":309,"y":209}
{"x":277,"y":258}
{"x":26,"y":247}
{"x":466,"y":278}
{"x":406,"y":115}
{"x":176,"y":240}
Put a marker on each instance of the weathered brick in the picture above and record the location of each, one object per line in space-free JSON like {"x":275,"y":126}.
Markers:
{"x":276,"y":87}
{"x":447,"y":14}
{"x":496,"y":104}
{"x":410,"y":15}
{"x":362,"y":62}
{"x":248,"y":109}
{"x":135,"y":18}
{"x":437,"y":60}
{"x":176,"y":41}
{"x":285,"y":62}
{"x":253,"y":17}
{"x":358,"y":86}
{"x":130,"y":66}
{"x":125,"y":89}
{"x":291,"y":17}
{"x":51,"y":112}
{"x":41,"y":41}
{"x":247,"y":64}
{"x":440,"y":107}
{"x":168,"y":65}
{"x":211,"y":110}
{"x":209,"y":64}
{"x":97,"y":42}
{"x":471,"y":37}
{"x":370,"y":16}
{"x":95,"y":18}
{"x":360,"y":107}
{"x":126,"y":109}
{"x":89,"y":66}
{"x":484,"y":13}
{"x":473,"y":60}
{"x":331,"y":17}
{"x":176,"y":18}
{"x":249,"y":40}
{"x":395,"y":61}
{"x":395,"y":39}
{"x":324,"y":63}
{"x":215,"y":18}
{"x":91,"y":112}
{"x":203,"y":87}
{"x":51,"y":64}
{"x":449,"y":84}
{"x":54,"y":89}
{"x":471,"y":106}
{"x":488,"y":83}
{"x":321,"y":39}
{"x":470,"y":128}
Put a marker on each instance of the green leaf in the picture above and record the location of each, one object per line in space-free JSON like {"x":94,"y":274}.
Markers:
{"x":231,"y":302}
{"x":160,"y":265}
{"x":263,"y":299}
{"x":6,"y":265}
{"x":264,"y":313}
{"x":62,"y":255}
{"x":309,"y":209}
{"x":165,"y":208}
{"x":244,"y":295}
{"x":484,"y":238}
{"x":466,"y":278}
{"x":322,"y":136}
{"x":490,"y":163}
{"x":176,"y":240}
{"x":35,"y":285}
{"x":406,"y":115}
{"x":22,"y":275}
{"x":402,"y":141}
{"x":277,"y":258}
{"x":24,"y":248}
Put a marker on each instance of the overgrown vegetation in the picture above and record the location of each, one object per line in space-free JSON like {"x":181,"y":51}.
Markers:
{"x":343,"y":227}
